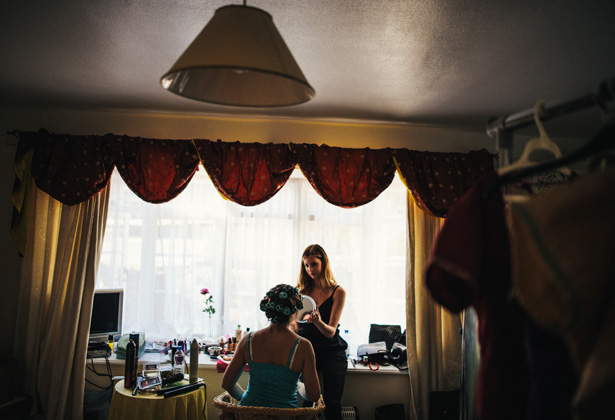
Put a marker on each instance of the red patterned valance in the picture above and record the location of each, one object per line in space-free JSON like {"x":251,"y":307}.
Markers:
{"x":246,"y":173}
{"x":155,"y":170}
{"x":345,"y":177}
{"x":437,"y":180}
{"x":69,"y":168}
{"x":72,"y":169}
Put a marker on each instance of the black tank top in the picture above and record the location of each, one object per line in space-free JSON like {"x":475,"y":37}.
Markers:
{"x":317,"y":339}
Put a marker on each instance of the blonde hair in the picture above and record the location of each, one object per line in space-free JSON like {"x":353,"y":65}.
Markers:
{"x":305,"y":283}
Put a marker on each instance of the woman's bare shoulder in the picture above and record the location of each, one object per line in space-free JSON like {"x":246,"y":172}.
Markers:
{"x":305,"y":346}
{"x":305,"y":351}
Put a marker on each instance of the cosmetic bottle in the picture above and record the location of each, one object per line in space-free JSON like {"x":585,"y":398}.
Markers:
{"x":194,"y":361}
{"x":130,"y":366}
{"x":178,"y":366}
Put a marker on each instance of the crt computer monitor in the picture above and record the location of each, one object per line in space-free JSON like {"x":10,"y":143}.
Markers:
{"x":106,"y":314}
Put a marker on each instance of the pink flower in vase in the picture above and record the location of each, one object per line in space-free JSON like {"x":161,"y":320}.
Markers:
{"x":209,"y":302}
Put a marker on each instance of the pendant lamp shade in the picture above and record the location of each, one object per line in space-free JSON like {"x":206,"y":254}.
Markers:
{"x":239,"y":59}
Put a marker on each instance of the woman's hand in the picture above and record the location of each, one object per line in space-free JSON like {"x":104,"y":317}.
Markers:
{"x":329,"y":330}
{"x":325,"y":329}
{"x":314,"y":317}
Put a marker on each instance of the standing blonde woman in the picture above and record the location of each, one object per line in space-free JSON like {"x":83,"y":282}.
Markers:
{"x":316,"y":280}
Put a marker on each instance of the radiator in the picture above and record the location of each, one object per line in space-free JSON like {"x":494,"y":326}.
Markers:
{"x":350,"y":413}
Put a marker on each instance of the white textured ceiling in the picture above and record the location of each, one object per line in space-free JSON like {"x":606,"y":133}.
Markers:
{"x":446,"y":63}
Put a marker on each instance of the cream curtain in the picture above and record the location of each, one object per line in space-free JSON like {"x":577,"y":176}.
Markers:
{"x":55,"y":301}
{"x":433,"y":334}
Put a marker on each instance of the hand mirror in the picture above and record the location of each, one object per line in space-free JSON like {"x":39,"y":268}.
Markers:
{"x":309,"y":306}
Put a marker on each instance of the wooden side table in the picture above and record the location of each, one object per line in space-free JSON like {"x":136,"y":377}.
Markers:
{"x":125,"y":406}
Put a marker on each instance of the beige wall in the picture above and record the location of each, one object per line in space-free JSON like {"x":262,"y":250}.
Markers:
{"x":162,"y":126}
{"x":342,"y":134}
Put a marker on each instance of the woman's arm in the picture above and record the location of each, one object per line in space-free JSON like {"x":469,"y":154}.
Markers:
{"x":310,"y":389}
{"x":234,"y":370}
{"x":328,"y":330}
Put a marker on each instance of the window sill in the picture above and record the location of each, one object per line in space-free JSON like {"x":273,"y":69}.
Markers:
{"x":205,"y":362}
{"x":382,"y":370}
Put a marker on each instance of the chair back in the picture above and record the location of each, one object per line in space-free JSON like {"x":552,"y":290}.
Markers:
{"x":231,"y":411}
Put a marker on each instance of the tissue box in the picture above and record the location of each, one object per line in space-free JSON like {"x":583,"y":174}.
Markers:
{"x":120,"y":351}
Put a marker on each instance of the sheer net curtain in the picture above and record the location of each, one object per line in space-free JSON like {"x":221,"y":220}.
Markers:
{"x":55,"y":300}
{"x":164,"y":254}
{"x":433,"y":336}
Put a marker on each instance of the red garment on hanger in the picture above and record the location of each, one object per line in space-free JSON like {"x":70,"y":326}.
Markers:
{"x":470,"y":266}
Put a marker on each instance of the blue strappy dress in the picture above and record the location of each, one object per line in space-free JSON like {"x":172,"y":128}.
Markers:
{"x":271,"y":385}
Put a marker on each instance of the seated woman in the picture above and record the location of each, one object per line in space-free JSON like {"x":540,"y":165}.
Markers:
{"x":276,"y":355}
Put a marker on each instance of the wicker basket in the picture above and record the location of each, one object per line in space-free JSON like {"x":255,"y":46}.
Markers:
{"x":232,"y":411}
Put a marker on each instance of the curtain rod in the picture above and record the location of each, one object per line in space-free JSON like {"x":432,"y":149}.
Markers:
{"x":603,"y":94}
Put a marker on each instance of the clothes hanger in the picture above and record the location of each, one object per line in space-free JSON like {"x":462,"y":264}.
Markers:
{"x":542,"y":142}
{"x":604,"y":140}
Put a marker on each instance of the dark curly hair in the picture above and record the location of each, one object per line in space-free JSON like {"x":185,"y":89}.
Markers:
{"x":281,"y":302}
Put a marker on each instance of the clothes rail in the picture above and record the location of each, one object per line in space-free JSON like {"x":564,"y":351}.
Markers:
{"x":502,"y":128}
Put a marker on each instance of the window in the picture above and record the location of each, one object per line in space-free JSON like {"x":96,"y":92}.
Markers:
{"x":162,"y":255}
